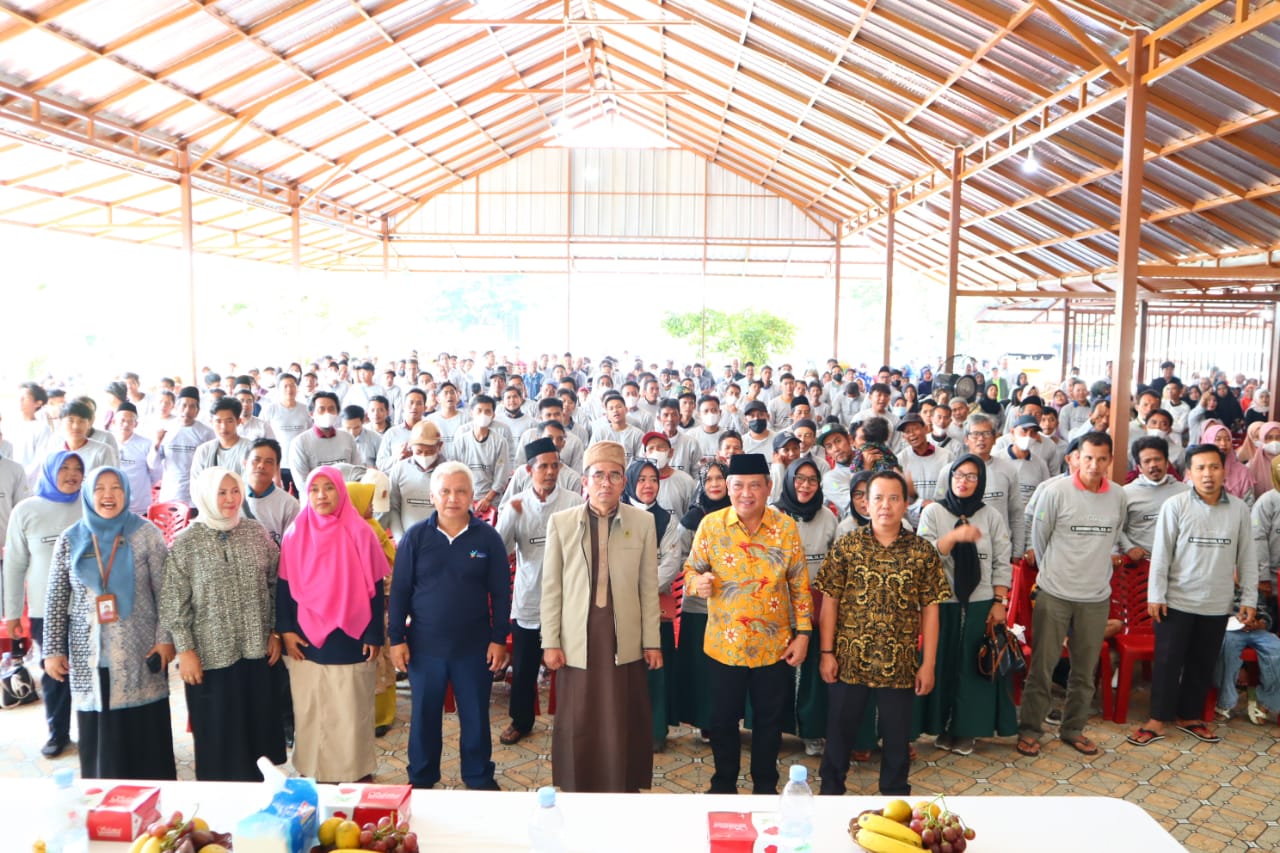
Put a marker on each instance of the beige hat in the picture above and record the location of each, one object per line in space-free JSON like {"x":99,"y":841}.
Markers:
{"x":604,"y":452}
{"x":425,"y":433}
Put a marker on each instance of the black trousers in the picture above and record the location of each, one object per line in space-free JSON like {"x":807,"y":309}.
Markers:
{"x":1186,"y":653}
{"x":845,"y":707}
{"x":526,"y":658}
{"x":57,"y":694}
{"x":769,"y":687}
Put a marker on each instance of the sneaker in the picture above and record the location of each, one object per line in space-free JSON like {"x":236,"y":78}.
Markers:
{"x":1222,"y":714}
{"x":1054,"y":717}
{"x":54,"y":747}
{"x":944,"y":741}
{"x":703,"y":736}
{"x":962,"y":746}
{"x":814,"y":746}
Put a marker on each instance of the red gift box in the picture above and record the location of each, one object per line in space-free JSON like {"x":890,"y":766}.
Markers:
{"x":369,"y":803}
{"x":743,"y":832}
{"x":124,"y":812}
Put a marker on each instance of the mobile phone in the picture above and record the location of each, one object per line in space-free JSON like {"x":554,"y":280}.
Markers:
{"x":153,"y":661}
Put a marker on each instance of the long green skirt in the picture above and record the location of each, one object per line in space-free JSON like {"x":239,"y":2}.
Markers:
{"x":962,"y":702}
{"x":692,"y":691}
{"x":662,"y":684}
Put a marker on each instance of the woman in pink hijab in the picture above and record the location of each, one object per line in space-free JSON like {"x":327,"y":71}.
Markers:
{"x":1239,"y":482}
{"x":1265,"y":449}
{"x":329,"y":612}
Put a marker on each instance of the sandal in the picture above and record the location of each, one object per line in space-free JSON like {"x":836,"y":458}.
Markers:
{"x":1200,"y":732}
{"x":512,"y":735}
{"x":1082,"y":745}
{"x":1143,"y":736}
{"x":1029,"y":747}
{"x":863,"y":755}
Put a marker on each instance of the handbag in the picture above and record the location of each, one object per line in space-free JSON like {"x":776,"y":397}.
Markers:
{"x":1000,"y":655}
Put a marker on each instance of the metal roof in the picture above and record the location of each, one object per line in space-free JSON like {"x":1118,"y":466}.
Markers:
{"x":360,"y":112}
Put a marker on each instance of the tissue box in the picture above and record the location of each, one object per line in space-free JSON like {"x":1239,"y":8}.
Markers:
{"x":368,"y":803}
{"x":123,"y":812}
{"x":747,"y":832}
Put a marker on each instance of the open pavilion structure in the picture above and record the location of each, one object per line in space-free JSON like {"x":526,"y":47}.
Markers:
{"x":1064,"y":160}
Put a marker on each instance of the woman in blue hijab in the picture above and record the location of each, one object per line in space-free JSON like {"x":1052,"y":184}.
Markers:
{"x":103,"y":634}
{"x":34,"y":527}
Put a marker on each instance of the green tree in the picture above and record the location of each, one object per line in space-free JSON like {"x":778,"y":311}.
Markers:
{"x":751,"y":335}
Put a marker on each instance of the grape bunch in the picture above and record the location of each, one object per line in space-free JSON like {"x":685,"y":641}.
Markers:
{"x":386,"y":836}
{"x":179,"y":835}
{"x":940,"y":830}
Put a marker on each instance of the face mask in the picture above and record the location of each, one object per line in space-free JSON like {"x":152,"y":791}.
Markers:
{"x":660,"y":458}
{"x":1022,"y":442}
{"x":631,"y":402}
{"x":483,"y":421}
{"x":939,"y":434}
{"x":899,"y":411}
{"x":711,"y":419}
{"x":515,"y":413}
{"x":325,"y":420}
{"x":1158,"y":433}
{"x":731,"y":401}
{"x":1272,"y":447}
{"x":424,"y":462}
{"x":758,"y":424}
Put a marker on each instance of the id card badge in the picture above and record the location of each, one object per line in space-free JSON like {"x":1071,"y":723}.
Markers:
{"x":106,"y":606}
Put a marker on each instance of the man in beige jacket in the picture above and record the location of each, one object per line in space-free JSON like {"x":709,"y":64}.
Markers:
{"x":600,"y":632}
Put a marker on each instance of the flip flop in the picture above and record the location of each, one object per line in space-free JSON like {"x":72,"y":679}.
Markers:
{"x":1142,"y":737}
{"x":1082,"y":745}
{"x":1028,"y":747}
{"x":1200,"y":732}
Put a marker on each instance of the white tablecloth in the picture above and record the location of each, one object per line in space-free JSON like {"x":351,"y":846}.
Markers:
{"x":644,"y":823}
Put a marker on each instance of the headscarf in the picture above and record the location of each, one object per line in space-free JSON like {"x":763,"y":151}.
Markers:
{"x":858,"y":479}
{"x":1260,"y":463}
{"x":333,"y":564}
{"x":47,"y":485}
{"x":702,"y":504}
{"x":1256,"y":404}
{"x":964,"y":555}
{"x":1228,"y":406}
{"x":1239,"y":481}
{"x":80,"y":536}
{"x":204,"y":495}
{"x":789,"y":502}
{"x":362,"y":498}
{"x":660,"y":516}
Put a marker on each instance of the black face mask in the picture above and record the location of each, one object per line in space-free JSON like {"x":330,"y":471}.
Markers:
{"x":758,"y":424}
{"x":515,"y":413}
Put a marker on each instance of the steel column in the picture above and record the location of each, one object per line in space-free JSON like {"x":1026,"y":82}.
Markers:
{"x":888,"y":277}
{"x":953,"y":257}
{"x":1126,"y":304}
{"x":189,"y":253}
{"x":835,"y":313}
{"x":1066,"y":353}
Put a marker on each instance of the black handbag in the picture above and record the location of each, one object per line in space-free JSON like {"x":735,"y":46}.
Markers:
{"x":1000,"y":655}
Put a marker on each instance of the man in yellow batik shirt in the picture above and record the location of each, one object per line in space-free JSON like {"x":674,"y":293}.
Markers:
{"x":748,"y":562}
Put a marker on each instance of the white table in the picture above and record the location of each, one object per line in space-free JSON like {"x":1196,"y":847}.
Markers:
{"x":644,"y":823}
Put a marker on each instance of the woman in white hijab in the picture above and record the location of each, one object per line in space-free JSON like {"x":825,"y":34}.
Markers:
{"x":219,"y":603}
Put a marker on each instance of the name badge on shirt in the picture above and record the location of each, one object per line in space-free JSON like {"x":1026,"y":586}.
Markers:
{"x":106,"y":608}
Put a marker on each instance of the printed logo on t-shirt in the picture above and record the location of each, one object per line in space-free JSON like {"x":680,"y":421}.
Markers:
{"x":997,"y":496}
{"x":537,"y":541}
{"x":1091,"y":529}
{"x":1151,"y":516}
{"x":1211,"y":541}
{"x":48,"y":540}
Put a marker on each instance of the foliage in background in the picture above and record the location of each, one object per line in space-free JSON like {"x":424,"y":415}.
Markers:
{"x":750,"y":335}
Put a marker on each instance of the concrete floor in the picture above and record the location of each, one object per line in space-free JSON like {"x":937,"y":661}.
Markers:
{"x":1212,"y":797}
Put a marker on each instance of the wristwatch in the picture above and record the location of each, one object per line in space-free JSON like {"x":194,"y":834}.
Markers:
{"x":1004,"y":601}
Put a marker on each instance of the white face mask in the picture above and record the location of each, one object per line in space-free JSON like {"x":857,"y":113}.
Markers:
{"x":325,"y":420}
{"x":1022,"y":442}
{"x":1272,"y":447}
{"x":711,"y":419}
{"x":631,"y":402}
{"x":424,"y":462}
{"x":660,"y":458}
{"x":1157,"y":432}
{"x":483,"y":421}
{"x":899,"y":411}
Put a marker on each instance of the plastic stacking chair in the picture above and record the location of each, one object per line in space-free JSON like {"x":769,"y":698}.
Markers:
{"x":171,"y":517}
{"x":1019,"y":613}
{"x":1137,"y":641}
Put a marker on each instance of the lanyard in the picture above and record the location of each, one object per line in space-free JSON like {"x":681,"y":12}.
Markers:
{"x":105,"y":573}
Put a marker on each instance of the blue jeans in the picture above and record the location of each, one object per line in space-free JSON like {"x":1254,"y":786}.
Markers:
{"x":1267,"y":647}
{"x":472,"y":681}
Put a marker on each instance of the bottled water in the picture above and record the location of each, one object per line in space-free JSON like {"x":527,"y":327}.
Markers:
{"x":546,"y":824}
{"x":68,"y":828}
{"x":796,"y":809}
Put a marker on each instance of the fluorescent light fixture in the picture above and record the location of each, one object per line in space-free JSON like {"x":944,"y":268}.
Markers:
{"x":1030,"y":164}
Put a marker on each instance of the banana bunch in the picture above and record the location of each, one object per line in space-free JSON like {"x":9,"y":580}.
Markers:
{"x":879,"y":834}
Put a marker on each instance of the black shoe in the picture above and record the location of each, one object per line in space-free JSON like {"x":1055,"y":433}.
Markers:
{"x":54,"y":747}
{"x":381,"y":731}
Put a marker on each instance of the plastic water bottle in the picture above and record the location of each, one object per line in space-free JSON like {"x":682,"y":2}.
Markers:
{"x":796,"y":809}
{"x":68,"y":830}
{"x":546,"y":824}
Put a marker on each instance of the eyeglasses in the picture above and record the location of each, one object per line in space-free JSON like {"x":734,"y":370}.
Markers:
{"x":963,"y":477}
{"x":612,"y":477}
{"x":983,"y":433}
{"x":811,"y":481}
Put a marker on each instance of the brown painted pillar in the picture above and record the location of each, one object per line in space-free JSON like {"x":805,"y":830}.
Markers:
{"x":953,"y":260}
{"x":888,"y":275}
{"x":835,"y":312}
{"x":1125,"y":319}
{"x":189,"y":255}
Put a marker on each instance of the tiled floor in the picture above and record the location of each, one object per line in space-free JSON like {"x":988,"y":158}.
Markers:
{"x":1216,"y":797}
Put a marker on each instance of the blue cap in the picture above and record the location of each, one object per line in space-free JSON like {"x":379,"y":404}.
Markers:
{"x":546,"y":797}
{"x":798,"y":773}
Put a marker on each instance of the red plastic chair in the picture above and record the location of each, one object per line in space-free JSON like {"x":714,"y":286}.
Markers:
{"x":155,"y":492}
{"x":1137,"y":641}
{"x":171,"y":517}
{"x":1019,"y":613}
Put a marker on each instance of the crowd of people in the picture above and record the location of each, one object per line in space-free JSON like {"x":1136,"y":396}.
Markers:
{"x":837,"y":545}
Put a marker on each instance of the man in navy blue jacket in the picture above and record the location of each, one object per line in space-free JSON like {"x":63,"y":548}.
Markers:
{"x":449,"y":618}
